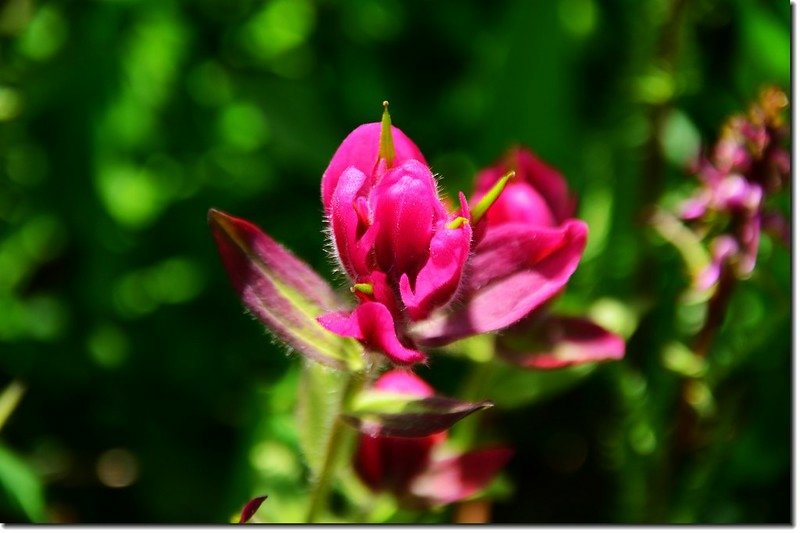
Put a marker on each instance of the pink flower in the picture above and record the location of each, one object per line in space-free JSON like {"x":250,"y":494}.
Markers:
{"x":420,"y":275}
{"x":538,"y":201}
{"x":417,"y":470}
{"x":536,"y":195}
{"x":747,"y":165}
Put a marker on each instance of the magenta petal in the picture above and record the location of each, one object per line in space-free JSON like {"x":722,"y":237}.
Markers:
{"x":520,"y":202}
{"x":372,"y":324}
{"x":439,"y":278}
{"x":456,"y":478}
{"x":404,"y":382}
{"x":561,"y":342}
{"x":360,"y":150}
{"x":547,"y":182}
{"x":516,"y":268}
{"x":346,"y":219}
{"x":406,"y":208}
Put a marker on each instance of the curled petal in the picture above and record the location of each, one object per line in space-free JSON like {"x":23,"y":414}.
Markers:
{"x":559,"y":342}
{"x":456,"y":478}
{"x":346,"y":221}
{"x":360,"y":150}
{"x":373,"y":325}
{"x":439,"y":278}
{"x":516,"y":268}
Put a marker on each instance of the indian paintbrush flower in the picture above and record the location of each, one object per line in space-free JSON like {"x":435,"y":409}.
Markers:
{"x":421,"y":275}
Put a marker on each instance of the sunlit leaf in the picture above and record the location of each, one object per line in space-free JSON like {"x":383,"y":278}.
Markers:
{"x":21,"y":485}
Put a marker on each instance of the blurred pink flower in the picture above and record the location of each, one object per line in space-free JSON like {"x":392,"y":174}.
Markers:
{"x":417,"y":470}
{"x":537,"y":199}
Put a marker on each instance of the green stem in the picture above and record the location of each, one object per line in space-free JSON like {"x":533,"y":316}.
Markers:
{"x":322,"y":484}
{"x":474,"y":389}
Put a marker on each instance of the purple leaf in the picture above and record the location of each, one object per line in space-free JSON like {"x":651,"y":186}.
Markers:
{"x":389,"y":414}
{"x":281,"y":291}
{"x":552,"y":342}
{"x":251,"y":508}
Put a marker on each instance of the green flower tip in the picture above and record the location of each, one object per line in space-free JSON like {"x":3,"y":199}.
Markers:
{"x":386,"y":148}
{"x":486,"y":202}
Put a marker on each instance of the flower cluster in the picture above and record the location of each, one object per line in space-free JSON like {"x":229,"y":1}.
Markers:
{"x":422,"y":274}
{"x":748,"y":164}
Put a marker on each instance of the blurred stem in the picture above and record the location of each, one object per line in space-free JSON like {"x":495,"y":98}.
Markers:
{"x":474,"y":389}
{"x":716,"y":312}
{"x":9,"y":400}
{"x":319,"y":492}
{"x":664,"y":58}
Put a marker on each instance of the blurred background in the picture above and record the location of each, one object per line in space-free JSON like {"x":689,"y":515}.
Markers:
{"x":137,"y":390}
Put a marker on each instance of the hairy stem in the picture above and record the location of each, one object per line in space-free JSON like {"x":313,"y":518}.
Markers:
{"x":319,"y":492}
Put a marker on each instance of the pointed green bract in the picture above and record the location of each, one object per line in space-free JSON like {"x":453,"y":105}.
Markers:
{"x":486,"y":202}
{"x":386,"y":149}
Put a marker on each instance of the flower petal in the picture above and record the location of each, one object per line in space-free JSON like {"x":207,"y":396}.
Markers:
{"x":406,"y":208}
{"x":456,"y":478}
{"x":346,"y":222}
{"x":360,"y":150}
{"x":516,"y":269}
{"x":559,"y":342}
{"x":440,"y":277}
{"x":281,"y":291}
{"x":373,"y":325}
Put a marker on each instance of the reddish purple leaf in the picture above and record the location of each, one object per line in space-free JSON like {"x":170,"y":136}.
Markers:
{"x":406,"y":416}
{"x":251,"y":508}
{"x":281,"y":291}
{"x":455,"y":478}
{"x":551,"y":342}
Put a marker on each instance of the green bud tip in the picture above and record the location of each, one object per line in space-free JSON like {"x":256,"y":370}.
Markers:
{"x":457,"y":223}
{"x":486,"y":202}
{"x":386,"y":147}
{"x":365,"y":288}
